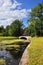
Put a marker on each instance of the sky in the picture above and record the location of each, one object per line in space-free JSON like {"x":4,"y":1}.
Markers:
{"x":11,"y":10}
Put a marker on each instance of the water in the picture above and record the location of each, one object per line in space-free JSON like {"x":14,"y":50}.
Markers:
{"x":9,"y":59}
{"x":6,"y":55}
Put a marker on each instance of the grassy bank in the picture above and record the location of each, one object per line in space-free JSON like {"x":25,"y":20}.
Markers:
{"x":9,"y":42}
{"x":36,"y":51}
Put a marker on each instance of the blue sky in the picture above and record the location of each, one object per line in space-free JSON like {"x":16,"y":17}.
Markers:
{"x":29,"y":4}
{"x":16,"y":9}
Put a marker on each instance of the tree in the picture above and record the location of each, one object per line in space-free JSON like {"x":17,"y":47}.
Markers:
{"x":7,"y":30}
{"x":16,"y":28}
{"x":35,"y":26}
{"x":1,"y":30}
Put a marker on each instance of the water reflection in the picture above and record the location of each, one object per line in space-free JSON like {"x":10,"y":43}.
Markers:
{"x":7,"y":57}
{"x":13,"y":56}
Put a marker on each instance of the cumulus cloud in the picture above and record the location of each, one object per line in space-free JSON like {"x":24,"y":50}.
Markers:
{"x":8,"y":11}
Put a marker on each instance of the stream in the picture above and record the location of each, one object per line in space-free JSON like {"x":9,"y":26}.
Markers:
{"x":21,"y":56}
{"x":9,"y":59}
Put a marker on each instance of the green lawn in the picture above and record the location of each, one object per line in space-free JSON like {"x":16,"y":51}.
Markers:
{"x":11,"y":43}
{"x":35,"y":51}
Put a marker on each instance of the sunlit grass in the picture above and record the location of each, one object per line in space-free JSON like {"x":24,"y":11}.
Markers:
{"x":36,"y":51}
{"x":2,"y":62}
{"x":10,"y":42}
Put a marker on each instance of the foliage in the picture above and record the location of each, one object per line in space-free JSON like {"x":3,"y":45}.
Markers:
{"x":1,"y":30}
{"x":35,"y":23}
{"x":14,"y":29}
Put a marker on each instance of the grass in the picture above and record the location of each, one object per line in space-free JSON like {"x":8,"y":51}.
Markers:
{"x":2,"y":62}
{"x":9,"y":42}
{"x":35,"y":51}
{"x":7,"y":38}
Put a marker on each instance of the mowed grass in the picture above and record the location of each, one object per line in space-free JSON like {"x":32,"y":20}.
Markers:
{"x":9,"y":42}
{"x":35,"y":51}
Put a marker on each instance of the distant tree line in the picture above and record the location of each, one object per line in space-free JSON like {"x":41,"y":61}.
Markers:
{"x":15,"y":29}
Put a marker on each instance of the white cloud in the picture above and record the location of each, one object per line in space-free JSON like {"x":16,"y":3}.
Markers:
{"x":15,"y":4}
{"x":7,"y":15}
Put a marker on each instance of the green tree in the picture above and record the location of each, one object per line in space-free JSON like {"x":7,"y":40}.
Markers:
{"x":35,"y":23}
{"x":1,"y":30}
{"x":6,"y":31}
{"x":16,"y":28}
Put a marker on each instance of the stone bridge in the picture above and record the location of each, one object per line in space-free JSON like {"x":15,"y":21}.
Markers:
{"x":28,"y":38}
